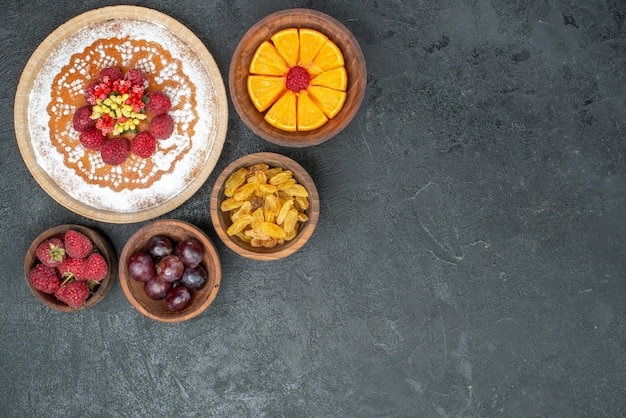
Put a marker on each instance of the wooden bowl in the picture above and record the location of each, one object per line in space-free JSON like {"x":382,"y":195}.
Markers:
{"x":263,"y":30}
{"x":105,"y":248}
{"x":221,"y":220}
{"x":156,"y":309}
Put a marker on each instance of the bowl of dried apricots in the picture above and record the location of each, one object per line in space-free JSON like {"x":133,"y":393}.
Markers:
{"x":297,"y":77}
{"x":264,"y":206}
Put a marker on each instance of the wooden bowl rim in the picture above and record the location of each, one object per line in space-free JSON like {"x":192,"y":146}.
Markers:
{"x":37,"y":61}
{"x":357,"y":77}
{"x":280,"y":251}
{"x":211,"y":252}
{"x":105,"y":248}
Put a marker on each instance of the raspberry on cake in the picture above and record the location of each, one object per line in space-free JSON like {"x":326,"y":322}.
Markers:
{"x":92,"y":139}
{"x":115,"y":150}
{"x":136,"y":76}
{"x":110,"y":74}
{"x":158,"y":102}
{"x":143,"y":144}
{"x":118,"y":103}
{"x":82,"y":119}
{"x":162,"y":126}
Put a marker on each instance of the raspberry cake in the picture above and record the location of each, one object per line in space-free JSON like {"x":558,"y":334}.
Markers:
{"x":175,"y":63}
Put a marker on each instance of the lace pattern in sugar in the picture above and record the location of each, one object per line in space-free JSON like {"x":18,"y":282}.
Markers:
{"x":164,"y":73}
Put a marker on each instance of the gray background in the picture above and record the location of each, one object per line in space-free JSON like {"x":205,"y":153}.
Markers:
{"x":468,"y":260}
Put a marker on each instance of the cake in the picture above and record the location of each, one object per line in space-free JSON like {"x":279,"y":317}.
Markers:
{"x":171,"y":66}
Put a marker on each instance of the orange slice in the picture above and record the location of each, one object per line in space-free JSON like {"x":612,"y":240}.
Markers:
{"x":329,"y":57}
{"x":267,"y":61}
{"x":287,"y":42}
{"x":337,"y":79}
{"x":311,"y":41}
{"x":265,"y":90}
{"x":282,"y":114}
{"x":330,"y":101}
{"x":310,"y":116}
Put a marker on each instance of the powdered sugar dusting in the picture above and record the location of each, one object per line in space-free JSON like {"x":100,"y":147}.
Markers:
{"x":138,"y":184}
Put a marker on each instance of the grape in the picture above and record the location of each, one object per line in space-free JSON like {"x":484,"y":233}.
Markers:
{"x":190,"y":252}
{"x":178,"y":298}
{"x":170,"y":268}
{"x":160,"y":246}
{"x":141,"y":267}
{"x":156,"y":288}
{"x":194,"y":278}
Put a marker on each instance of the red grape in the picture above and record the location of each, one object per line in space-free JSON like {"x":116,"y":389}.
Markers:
{"x":141,"y":267}
{"x":156,"y":288}
{"x":170,"y":268}
{"x":178,"y":298}
{"x":160,"y":246}
{"x":194,"y":278}
{"x":190,"y":252}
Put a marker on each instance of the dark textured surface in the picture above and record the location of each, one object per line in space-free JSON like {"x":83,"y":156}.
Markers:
{"x":468,"y":261}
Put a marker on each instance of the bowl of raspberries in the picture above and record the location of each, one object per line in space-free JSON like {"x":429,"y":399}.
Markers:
{"x":70,"y":267}
{"x":170,"y":270}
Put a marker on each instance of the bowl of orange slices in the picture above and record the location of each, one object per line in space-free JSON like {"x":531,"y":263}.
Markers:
{"x":297,"y":77}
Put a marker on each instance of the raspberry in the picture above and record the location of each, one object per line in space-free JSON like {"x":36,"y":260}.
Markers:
{"x":82,"y":119}
{"x":137,"y":76}
{"x":77,"y":244}
{"x":51,"y":252}
{"x":143,"y":144}
{"x":114,"y":151}
{"x":44,"y":278}
{"x":74,"y":294}
{"x":92,"y":139}
{"x":162,"y":126}
{"x":95,"y":268}
{"x":72,"y":268}
{"x":110,"y":74}
{"x":298,"y":78}
{"x":158,"y":103}
{"x":90,"y":93}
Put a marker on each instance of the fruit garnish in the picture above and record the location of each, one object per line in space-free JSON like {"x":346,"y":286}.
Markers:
{"x":298,"y":79}
{"x":301,"y":78}
{"x":117,"y":107}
